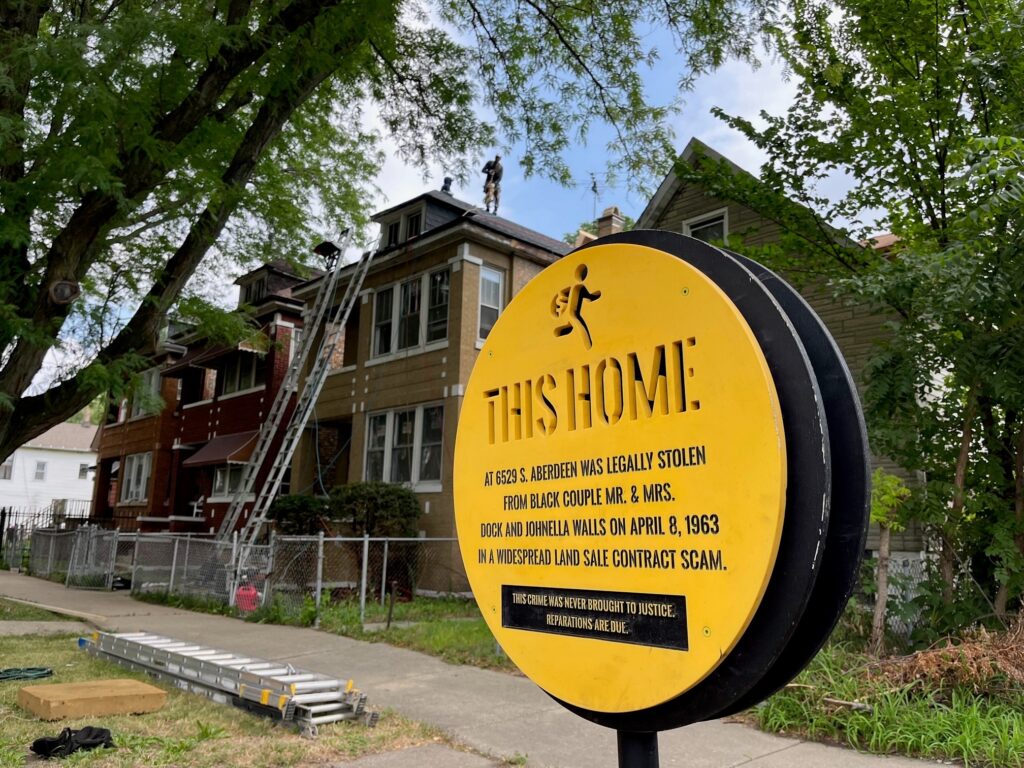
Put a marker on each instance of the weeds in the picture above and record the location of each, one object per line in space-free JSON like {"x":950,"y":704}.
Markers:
{"x":915,"y":718}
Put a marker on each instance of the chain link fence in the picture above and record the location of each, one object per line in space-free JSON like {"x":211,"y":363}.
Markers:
{"x":93,"y":555}
{"x":295,"y":578}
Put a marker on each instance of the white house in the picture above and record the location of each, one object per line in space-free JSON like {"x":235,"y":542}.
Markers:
{"x":57,"y":465}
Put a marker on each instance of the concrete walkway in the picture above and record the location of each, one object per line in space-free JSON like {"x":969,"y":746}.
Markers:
{"x":494,"y":714}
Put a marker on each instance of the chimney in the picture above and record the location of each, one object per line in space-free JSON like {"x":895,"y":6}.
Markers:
{"x":609,"y":222}
{"x":447,"y":186}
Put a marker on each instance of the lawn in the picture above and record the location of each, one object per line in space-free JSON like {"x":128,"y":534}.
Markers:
{"x":12,"y":611}
{"x":189,"y":731}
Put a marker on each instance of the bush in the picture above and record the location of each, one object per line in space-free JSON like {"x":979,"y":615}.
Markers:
{"x":297,"y":515}
{"x":376,"y":509}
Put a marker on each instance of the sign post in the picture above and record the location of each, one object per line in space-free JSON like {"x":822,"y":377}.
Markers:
{"x":644,"y":481}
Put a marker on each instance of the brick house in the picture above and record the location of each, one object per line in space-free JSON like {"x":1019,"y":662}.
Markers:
{"x":686,"y":207}
{"x":443,"y":272}
{"x":171,"y":456}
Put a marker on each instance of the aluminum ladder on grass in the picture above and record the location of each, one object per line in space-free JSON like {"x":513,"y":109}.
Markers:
{"x":305,"y":699}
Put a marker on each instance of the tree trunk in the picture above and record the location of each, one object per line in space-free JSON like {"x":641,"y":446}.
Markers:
{"x":947,"y":557}
{"x":877,"y":644}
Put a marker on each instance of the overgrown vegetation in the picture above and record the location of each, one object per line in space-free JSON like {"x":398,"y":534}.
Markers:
{"x":190,"y":731}
{"x":931,"y":705}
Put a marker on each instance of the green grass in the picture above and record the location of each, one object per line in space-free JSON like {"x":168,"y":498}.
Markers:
{"x":448,"y":627}
{"x":189,"y":731}
{"x":11,"y":611}
{"x":913,"y":720}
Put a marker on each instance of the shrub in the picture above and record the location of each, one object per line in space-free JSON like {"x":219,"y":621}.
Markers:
{"x":297,"y":515}
{"x":376,"y":509}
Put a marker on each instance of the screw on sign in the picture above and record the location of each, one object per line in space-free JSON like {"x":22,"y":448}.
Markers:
{"x":662,"y":501}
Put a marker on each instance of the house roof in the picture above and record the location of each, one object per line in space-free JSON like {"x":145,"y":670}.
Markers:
{"x":281,"y":267}
{"x":66,"y":437}
{"x":672,"y":183}
{"x":481,"y":218}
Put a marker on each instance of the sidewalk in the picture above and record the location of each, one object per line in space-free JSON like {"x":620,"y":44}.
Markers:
{"x":492,"y":713}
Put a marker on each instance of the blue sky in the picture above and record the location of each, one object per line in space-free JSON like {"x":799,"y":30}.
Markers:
{"x":554,"y":210}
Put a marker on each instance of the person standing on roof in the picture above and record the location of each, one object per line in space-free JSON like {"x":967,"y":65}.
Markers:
{"x":492,"y":183}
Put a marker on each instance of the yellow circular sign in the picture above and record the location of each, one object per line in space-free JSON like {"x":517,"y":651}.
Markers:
{"x":620,"y":477}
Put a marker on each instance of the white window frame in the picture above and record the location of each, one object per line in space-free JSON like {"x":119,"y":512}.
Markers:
{"x":386,"y":234}
{"x":417,"y":484}
{"x":7,"y":468}
{"x":135,"y":476}
{"x":708,"y":218}
{"x":149,"y":388}
{"x":83,"y":471}
{"x":40,"y":473}
{"x":486,"y":269}
{"x":421,"y":345}
{"x":229,"y":479}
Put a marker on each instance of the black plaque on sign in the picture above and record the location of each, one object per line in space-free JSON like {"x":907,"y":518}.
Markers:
{"x":620,"y":617}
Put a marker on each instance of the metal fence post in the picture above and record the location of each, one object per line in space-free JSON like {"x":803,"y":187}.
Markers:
{"x":362,"y":580}
{"x":71,"y":559}
{"x":49,"y":559}
{"x":319,"y":574}
{"x":188,"y":551}
{"x":113,"y":559}
{"x":384,"y":573}
{"x":174,"y":564}
{"x":135,"y":559}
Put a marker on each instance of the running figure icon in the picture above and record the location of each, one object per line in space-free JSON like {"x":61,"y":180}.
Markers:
{"x":568,"y":305}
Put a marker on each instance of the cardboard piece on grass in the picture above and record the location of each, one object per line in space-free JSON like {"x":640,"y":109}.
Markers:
{"x":91,"y":699}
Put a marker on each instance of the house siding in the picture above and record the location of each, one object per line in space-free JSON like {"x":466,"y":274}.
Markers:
{"x":856,"y":328}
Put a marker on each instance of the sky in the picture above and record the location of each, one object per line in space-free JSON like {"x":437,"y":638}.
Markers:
{"x":554,"y":210}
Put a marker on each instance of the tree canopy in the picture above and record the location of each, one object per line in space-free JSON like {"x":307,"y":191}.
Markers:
{"x":142,"y":143}
{"x":919,"y":105}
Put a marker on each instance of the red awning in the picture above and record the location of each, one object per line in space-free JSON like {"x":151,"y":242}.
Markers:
{"x":225,"y":449}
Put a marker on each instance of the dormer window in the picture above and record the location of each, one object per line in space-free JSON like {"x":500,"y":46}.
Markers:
{"x":394,"y":234}
{"x":413,"y":225}
{"x":254,"y":291}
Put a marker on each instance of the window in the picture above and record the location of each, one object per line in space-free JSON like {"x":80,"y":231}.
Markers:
{"x":491,"y":294}
{"x":382,"y":321}
{"x":228,"y":479}
{"x":404,"y":446}
{"x":135,"y":482}
{"x":7,"y":468}
{"x":712,"y":227}
{"x":241,"y":371}
{"x":413,"y":225}
{"x":117,"y":412}
{"x":83,"y":471}
{"x":437,"y":305}
{"x":394,"y":232}
{"x":409,"y":315}
{"x":402,"y":324}
{"x":254,"y":291}
{"x":146,"y":399}
{"x":40,"y":470}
